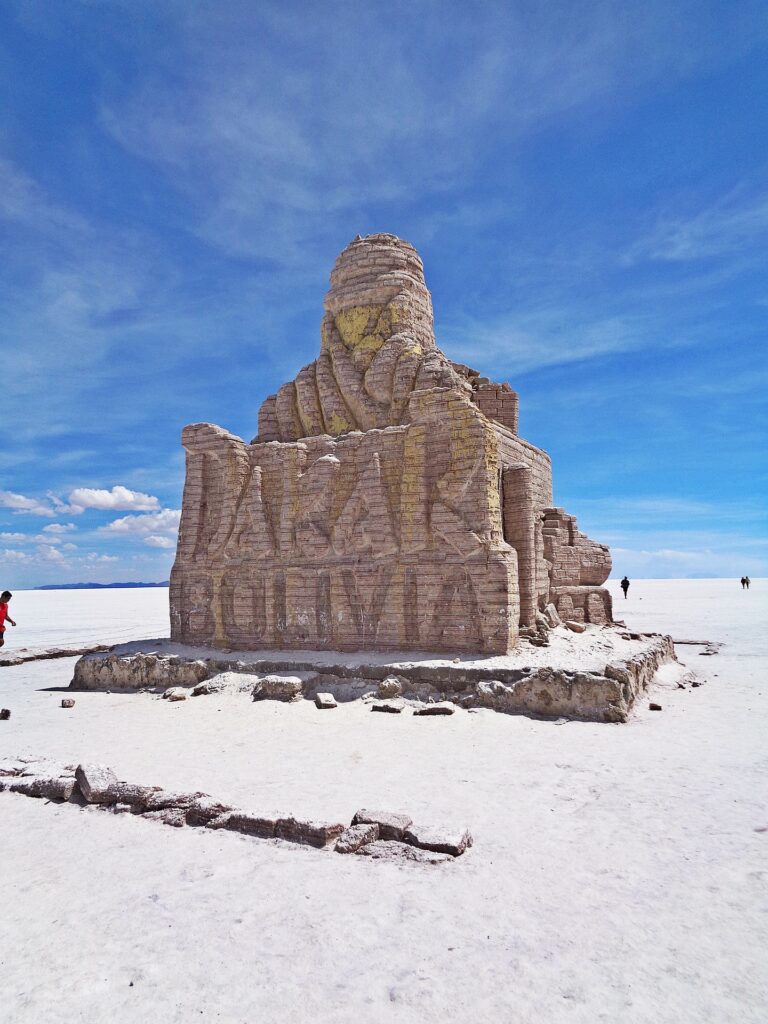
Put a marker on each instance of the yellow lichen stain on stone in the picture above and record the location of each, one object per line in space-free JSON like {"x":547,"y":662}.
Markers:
{"x":337,"y":424}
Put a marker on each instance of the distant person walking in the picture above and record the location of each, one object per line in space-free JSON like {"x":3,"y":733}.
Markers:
{"x":5,"y":597}
{"x":743,"y":582}
{"x":747,"y":581}
{"x":625,"y":587}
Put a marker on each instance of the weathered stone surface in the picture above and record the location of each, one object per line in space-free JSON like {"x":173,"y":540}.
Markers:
{"x":204,"y":809}
{"x":262,"y":825}
{"x":391,"y":825}
{"x":309,"y":833}
{"x":134,"y":672}
{"x":550,"y":613}
{"x":438,"y":839}
{"x":390,"y":687}
{"x":325,"y":701}
{"x":49,"y":789}
{"x":67,"y":702}
{"x":174,"y":816}
{"x":227,"y":682}
{"x":130,"y":794}
{"x":176,"y":693}
{"x":435,"y":709}
{"x":163,"y":798}
{"x":95,"y":782}
{"x":355,"y":836}
{"x":276,"y":687}
{"x":387,"y":501}
{"x":387,"y":849}
{"x":575,"y":627}
{"x":386,"y":706}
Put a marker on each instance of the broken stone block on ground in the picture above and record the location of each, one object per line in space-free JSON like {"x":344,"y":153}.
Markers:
{"x":278,"y":687}
{"x":391,"y":850}
{"x":227,"y":682}
{"x":49,"y":789}
{"x":355,"y":836}
{"x":325,"y":701}
{"x":387,"y":707}
{"x":440,"y":708}
{"x":391,"y":825}
{"x":438,"y":839}
{"x":175,"y":693}
{"x":174,"y":816}
{"x":309,"y":833}
{"x":95,"y":782}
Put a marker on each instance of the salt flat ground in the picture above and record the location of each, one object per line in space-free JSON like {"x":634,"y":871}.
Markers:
{"x":617,"y":873}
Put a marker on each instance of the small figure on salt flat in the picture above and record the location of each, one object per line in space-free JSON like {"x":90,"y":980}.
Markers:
{"x":5,"y":597}
{"x":625,"y":586}
{"x":747,"y":581}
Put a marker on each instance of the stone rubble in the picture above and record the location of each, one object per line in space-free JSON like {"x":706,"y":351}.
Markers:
{"x":325,"y":701}
{"x":378,"y":834}
{"x":95,"y":782}
{"x":391,"y":825}
{"x":355,"y":836}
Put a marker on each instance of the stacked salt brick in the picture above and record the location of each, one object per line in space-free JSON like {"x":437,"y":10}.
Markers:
{"x":386,"y":503}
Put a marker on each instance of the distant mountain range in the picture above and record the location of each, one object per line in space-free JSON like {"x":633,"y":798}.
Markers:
{"x":99,"y":586}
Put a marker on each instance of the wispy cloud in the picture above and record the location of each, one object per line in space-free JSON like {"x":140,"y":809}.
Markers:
{"x":723,"y":228}
{"x":20,"y":505}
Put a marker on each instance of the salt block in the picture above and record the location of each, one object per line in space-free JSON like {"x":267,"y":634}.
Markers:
{"x":174,"y":816}
{"x":391,"y":825}
{"x":383,"y":849}
{"x":49,"y":789}
{"x":439,"y":839}
{"x":95,"y":782}
{"x":309,"y":833}
{"x":575,"y":627}
{"x":67,"y":703}
{"x":203,"y":810}
{"x":356,"y":836}
{"x":325,"y":700}
{"x":435,"y":709}
{"x":176,"y":693}
{"x":277,"y":687}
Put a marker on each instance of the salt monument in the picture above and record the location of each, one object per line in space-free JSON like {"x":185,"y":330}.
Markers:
{"x":387,"y":502}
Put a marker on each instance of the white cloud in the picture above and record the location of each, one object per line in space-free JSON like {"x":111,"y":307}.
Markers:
{"x":118,"y":499}
{"x":21,"y":505}
{"x":164,"y":522}
{"x":94,"y":556}
{"x":59,"y":528}
{"x":154,"y":541}
{"x":14,"y":538}
{"x":9,"y":555}
{"x":46,"y":553}
{"x":727,"y":226}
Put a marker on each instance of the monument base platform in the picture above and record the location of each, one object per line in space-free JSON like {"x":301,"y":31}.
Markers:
{"x":592,"y":676}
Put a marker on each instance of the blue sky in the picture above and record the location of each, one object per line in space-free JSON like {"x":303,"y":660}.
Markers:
{"x":587,"y":184}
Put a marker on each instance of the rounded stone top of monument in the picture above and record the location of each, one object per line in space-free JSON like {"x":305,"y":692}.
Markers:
{"x":376,"y":270}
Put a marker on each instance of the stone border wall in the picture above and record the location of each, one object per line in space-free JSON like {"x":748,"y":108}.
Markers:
{"x":380,"y":835}
{"x":544,"y":691}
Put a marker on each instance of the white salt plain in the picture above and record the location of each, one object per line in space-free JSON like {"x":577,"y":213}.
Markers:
{"x":619,"y":873}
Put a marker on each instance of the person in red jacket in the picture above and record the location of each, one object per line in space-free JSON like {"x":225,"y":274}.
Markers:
{"x":5,"y":597}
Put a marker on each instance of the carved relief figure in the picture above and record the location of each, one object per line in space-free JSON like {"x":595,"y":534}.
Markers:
{"x":387,"y":501}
